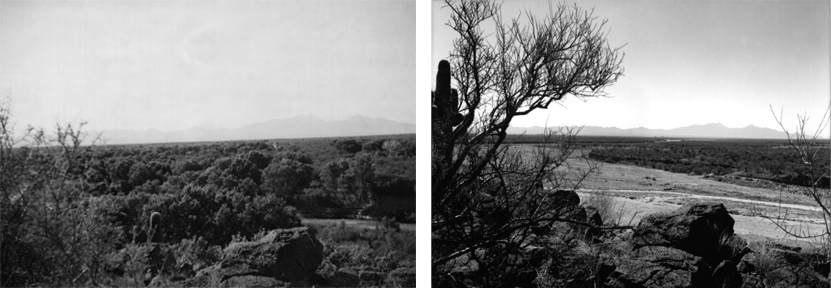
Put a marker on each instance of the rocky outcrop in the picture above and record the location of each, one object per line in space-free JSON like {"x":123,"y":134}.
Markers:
{"x":693,"y":246}
{"x":785,"y":266}
{"x":659,"y":267}
{"x":700,"y":229}
{"x":282,"y":257}
{"x":565,"y":198}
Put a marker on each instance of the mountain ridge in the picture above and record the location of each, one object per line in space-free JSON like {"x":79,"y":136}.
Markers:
{"x":299,"y":126}
{"x":709,"y":130}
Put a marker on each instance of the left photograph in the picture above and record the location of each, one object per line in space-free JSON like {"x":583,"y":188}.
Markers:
{"x":207,"y":143}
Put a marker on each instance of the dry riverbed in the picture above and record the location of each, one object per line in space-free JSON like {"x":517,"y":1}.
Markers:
{"x":643,"y":191}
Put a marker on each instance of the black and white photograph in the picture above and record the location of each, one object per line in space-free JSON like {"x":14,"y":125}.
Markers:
{"x":207,"y":143}
{"x":630,"y":143}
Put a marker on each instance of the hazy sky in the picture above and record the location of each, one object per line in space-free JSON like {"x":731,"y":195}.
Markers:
{"x":177,"y":64}
{"x":696,"y":62}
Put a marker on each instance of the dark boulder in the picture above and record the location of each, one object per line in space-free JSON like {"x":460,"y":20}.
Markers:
{"x":700,"y":229}
{"x":693,"y":246}
{"x":284,"y":254}
{"x":793,"y":276}
{"x":281,"y":257}
{"x":565,"y":198}
{"x":822,"y":268}
{"x":593,"y":216}
{"x":659,"y":267}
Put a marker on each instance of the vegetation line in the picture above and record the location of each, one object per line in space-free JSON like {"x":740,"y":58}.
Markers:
{"x":792,"y":206}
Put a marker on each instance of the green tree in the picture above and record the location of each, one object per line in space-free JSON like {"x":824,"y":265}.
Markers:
{"x":331,"y":172}
{"x":363,"y":170}
{"x":287,"y":177}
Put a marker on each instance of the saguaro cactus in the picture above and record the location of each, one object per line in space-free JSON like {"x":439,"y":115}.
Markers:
{"x":155,"y":227}
{"x":445,"y":116}
{"x":445,"y":99}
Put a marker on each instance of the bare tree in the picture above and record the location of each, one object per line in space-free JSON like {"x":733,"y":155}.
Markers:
{"x":46,"y":233}
{"x":488,"y":197}
{"x":805,"y":145}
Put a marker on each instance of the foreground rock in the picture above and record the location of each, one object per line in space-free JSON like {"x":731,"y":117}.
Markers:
{"x":281,"y":258}
{"x":704,"y":230}
{"x":693,"y":246}
{"x":659,"y":267}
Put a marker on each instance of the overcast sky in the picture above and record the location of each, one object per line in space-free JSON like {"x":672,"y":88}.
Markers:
{"x":696,"y":62}
{"x":171,"y":65}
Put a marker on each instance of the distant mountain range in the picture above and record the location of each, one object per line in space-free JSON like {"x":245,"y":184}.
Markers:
{"x":712,"y":130}
{"x":302,"y":126}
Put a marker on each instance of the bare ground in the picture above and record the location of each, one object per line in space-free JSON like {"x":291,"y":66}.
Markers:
{"x":643,"y":191}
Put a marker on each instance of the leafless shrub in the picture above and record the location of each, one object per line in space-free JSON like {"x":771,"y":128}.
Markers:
{"x":805,"y":145}
{"x":487,"y":198}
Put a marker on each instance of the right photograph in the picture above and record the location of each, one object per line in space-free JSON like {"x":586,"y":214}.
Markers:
{"x":630,"y":144}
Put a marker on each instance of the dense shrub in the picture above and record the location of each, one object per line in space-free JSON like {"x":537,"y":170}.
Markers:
{"x":381,"y":250}
{"x":216,"y":214}
{"x":286,"y":177}
{"x":350,"y":146}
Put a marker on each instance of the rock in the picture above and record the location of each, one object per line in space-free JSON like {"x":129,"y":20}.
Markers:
{"x":752,"y":280}
{"x":372,"y":278}
{"x":593,"y":216}
{"x":790,"y":276}
{"x":341,"y":278}
{"x":253,"y":281}
{"x":403,"y":277}
{"x":786,"y":247}
{"x":700,"y":229}
{"x":285,"y":254}
{"x":345,"y":278}
{"x":659,"y":267}
{"x":566,"y":198}
{"x":822,"y":268}
{"x":793,"y":258}
{"x":208,"y":277}
{"x":281,"y":257}
{"x":693,"y":246}
{"x":746,"y":267}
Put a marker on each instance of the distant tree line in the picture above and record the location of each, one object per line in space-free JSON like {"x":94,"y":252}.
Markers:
{"x":754,"y":158}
